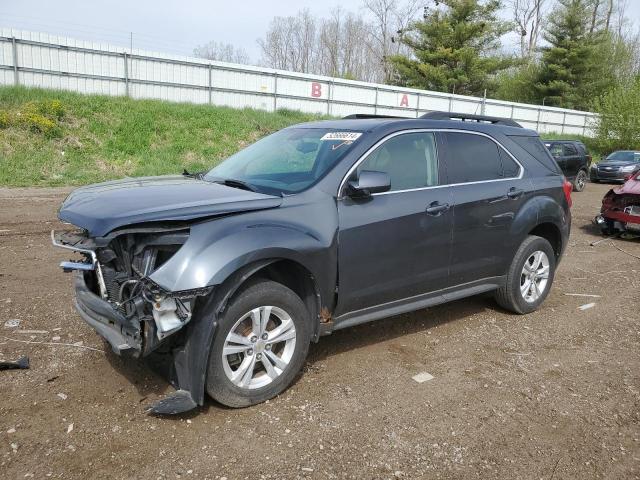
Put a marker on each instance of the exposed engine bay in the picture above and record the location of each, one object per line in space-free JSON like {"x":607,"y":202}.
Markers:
{"x":116,"y":270}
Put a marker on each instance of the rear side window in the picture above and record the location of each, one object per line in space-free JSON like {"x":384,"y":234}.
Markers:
{"x":534,"y":147}
{"x":475,"y":158}
{"x":510,"y":169}
{"x":570,"y":149}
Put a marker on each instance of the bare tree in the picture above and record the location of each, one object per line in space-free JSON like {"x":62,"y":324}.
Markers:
{"x":222,"y":52}
{"x":389,"y":19}
{"x":291,"y":43}
{"x":609,"y":15}
{"x":594,"y":14}
{"x":528,"y":16}
{"x":336,"y":46}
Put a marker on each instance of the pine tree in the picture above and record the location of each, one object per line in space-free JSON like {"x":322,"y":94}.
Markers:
{"x":455,"y":48}
{"x":573,"y":71}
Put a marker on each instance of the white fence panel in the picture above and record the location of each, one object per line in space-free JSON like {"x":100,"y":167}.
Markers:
{"x":48,"y":61}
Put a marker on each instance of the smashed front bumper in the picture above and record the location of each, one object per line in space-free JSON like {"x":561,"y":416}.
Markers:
{"x":108,"y":322}
{"x":145,"y":323}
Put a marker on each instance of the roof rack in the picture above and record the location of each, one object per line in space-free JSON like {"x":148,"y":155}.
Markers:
{"x":364,"y":116}
{"x":468,"y":117}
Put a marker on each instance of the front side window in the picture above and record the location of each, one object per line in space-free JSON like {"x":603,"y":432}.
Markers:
{"x":410,"y":160}
{"x":288,"y":161}
{"x":555,"y":149}
{"x":473,"y":158}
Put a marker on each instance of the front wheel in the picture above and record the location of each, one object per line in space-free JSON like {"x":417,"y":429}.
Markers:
{"x":261,"y":344}
{"x":529,"y":278}
{"x":580,"y":181}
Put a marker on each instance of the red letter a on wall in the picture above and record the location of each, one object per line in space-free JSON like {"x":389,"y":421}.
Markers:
{"x":405,"y":101}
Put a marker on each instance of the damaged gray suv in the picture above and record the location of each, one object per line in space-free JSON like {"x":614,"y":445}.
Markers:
{"x":224,"y":278}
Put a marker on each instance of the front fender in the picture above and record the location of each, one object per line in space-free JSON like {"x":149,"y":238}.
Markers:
{"x":217,"y":249}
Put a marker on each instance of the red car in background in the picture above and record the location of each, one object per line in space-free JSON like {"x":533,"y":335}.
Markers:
{"x":620,"y":211}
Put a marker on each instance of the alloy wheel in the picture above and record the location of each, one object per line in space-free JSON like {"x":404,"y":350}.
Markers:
{"x":259,"y":347}
{"x":535,"y":276}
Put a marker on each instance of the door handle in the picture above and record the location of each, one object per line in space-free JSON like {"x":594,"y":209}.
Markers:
{"x":436,"y":209}
{"x":515,"y":193}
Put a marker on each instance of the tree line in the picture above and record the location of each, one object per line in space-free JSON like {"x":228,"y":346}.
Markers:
{"x":564,"y":53}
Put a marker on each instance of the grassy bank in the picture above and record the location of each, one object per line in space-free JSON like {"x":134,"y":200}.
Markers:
{"x":51,"y":138}
{"x":55,"y":138}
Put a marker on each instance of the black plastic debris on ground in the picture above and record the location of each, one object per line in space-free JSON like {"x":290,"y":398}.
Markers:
{"x":21,"y":363}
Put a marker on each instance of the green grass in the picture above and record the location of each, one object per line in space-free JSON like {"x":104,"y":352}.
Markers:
{"x":54,"y":138}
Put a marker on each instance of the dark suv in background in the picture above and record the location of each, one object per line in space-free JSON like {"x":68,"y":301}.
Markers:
{"x":573,"y":158}
{"x":226,"y":276}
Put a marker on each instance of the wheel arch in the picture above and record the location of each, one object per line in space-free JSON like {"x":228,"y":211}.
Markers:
{"x":551,"y":233}
{"x":290,"y":273}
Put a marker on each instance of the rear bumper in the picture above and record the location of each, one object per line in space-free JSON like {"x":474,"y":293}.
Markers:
{"x":108,"y":322}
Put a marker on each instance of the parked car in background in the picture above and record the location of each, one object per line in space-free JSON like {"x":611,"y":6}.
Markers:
{"x":620,"y":211}
{"x":616,"y":167}
{"x":573,"y":159}
{"x":229,"y":274}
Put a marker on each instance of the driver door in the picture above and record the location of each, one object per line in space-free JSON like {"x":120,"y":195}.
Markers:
{"x":396,"y":244}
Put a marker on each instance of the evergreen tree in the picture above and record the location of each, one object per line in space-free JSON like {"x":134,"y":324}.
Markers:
{"x":455,"y":48}
{"x":573,"y":70}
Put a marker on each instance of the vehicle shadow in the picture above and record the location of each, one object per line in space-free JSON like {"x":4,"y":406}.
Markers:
{"x":143,"y":376}
{"x":151,"y":384}
{"x":379,"y":331}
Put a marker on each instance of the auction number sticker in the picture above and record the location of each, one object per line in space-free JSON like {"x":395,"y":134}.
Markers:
{"x":342,"y":136}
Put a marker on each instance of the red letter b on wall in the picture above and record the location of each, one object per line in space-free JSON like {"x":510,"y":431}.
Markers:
{"x":316,"y":89}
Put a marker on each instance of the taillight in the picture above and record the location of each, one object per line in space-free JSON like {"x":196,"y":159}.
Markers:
{"x":567,"y":186}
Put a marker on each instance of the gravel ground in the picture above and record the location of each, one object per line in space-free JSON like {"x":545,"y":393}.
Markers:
{"x":554,"y":394}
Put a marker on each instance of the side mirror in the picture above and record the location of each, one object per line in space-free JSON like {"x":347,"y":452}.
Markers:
{"x":369,"y":182}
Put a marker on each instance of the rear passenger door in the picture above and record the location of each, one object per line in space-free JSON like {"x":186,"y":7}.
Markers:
{"x":488,"y":189}
{"x":572,"y":160}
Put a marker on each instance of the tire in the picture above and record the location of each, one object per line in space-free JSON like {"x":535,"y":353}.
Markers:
{"x":580,"y":182}
{"x":267,"y":376}
{"x":510,"y":296}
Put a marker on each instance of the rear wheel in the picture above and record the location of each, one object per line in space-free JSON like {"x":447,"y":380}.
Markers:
{"x":261,"y":344}
{"x":580,"y":181}
{"x":530,"y":276}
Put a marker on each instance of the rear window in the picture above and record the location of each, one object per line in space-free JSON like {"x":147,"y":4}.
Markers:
{"x":534,"y":147}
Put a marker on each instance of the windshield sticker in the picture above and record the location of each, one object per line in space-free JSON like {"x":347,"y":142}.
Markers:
{"x":344,"y":136}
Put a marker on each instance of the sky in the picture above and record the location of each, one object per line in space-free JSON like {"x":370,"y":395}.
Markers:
{"x":170,"y":26}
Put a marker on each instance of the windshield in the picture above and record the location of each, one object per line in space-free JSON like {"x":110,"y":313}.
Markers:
{"x":624,"y":156}
{"x":288,"y":161}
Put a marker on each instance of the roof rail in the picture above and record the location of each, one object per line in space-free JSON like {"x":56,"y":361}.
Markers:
{"x":468,"y":117}
{"x":363,"y":116}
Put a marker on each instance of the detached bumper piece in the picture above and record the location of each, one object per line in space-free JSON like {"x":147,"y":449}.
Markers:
{"x":177,"y":402}
{"x":21,"y":364}
{"x":108,"y":322}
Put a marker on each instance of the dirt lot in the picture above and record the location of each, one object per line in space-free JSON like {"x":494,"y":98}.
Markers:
{"x":555,"y":394}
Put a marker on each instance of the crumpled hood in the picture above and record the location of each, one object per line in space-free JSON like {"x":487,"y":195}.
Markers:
{"x":103,"y":207}
{"x":630,"y":187}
